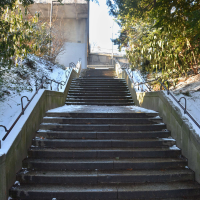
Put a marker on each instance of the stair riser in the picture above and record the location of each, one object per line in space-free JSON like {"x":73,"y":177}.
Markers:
{"x":103,"y":83}
{"x":96,"y":179}
{"x":99,"y":100}
{"x":101,"y":121}
{"x":98,"y":82}
{"x":74,"y":195}
{"x":104,"y":154}
{"x":108,"y":165}
{"x":103,"y":135}
{"x":100,"y":89}
{"x":99,"y":97}
{"x":103,"y":93}
{"x":112,"y":87}
{"x":98,"y":79}
{"x":100,"y":104}
{"x":180,"y":194}
{"x":102,"y":128}
{"x":90,"y":85}
{"x":101,"y":144}
{"x":102,"y":115}
{"x":99,"y":75}
{"x":170,"y":194}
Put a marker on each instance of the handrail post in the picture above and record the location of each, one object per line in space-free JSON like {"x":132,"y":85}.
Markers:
{"x":185,"y":103}
{"x":6,"y":130}
{"x":168,"y":88}
{"x":22,"y":103}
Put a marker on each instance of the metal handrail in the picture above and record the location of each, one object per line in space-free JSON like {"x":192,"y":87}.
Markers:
{"x":168,"y":93}
{"x":62,"y":83}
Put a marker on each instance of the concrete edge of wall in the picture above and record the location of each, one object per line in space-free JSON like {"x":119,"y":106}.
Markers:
{"x":11,"y":162}
{"x":181,"y":130}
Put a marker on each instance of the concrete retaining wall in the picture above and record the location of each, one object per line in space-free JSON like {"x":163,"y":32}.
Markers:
{"x":186,"y":137}
{"x":99,"y":59}
{"x":11,"y":161}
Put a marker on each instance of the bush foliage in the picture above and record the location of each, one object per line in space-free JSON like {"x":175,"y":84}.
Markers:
{"x":160,"y":35}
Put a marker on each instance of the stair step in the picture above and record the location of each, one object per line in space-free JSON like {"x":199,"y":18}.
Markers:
{"x":100,"y":82}
{"x":74,"y":96}
{"x":102,"y":135}
{"x":104,"y":191}
{"x":113,"y":87}
{"x":96,"y":177}
{"x":56,"y":164}
{"x":89,"y":143}
{"x":102,"y":127}
{"x":64,"y":120}
{"x":117,"y":153}
{"x":98,"y":94}
{"x":98,"y":89}
{"x":102,"y":114}
{"x":100,"y":104}
{"x":99,"y":79}
{"x":102,"y":92}
{"x":103,"y":85}
{"x":96,"y":84}
{"x":99,"y":100}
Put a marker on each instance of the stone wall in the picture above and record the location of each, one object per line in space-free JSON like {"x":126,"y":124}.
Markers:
{"x":186,"y":137}
{"x":104,"y":59}
{"x":99,"y":59}
{"x":11,"y":161}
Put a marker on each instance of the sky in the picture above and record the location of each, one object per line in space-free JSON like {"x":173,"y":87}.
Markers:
{"x":101,"y":27}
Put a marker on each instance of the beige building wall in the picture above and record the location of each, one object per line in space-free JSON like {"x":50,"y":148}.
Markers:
{"x":70,"y":21}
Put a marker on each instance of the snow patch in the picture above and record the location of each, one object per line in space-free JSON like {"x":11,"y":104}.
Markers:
{"x":10,"y":104}
{"x":190,"y":89}
{"x":25,"y":171}
{"x":192,"y":106}
{"x":96,"y":109}
{"x":174,"y":147}
{"x":140,"y":109}
{"x":136,"y":77}
{"x":41,"y":130}
{"x":17,"y":183}
{"x":67,"y":108}
{"x":168,"y":139}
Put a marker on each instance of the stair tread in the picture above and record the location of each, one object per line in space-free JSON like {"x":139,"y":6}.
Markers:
{"x":101,"y":132}
{"x":110,"y":113}
{"x":103,"y":118}
{"x":108,"y":140}
{"x":44,"y":173}
{"x":86,"y":125}
{"x":107,"y":188}
{"x":103,"y":149}
{"x":102,"y":160}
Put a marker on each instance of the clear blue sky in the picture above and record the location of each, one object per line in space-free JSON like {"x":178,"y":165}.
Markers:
{"x":101,"y":26}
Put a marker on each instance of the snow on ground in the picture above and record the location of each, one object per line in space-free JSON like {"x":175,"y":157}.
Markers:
{"x":190,"y":89}
{"x":137,"y":78}
{"x":102,"y":109}
{"x":20,"y":81}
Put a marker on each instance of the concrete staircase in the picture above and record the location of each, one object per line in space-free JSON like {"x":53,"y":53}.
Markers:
{"x":102,"y":153}
{"x":99,"y":87}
